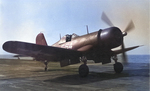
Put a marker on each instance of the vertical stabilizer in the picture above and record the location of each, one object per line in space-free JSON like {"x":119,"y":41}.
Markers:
{"x":40,"y":39}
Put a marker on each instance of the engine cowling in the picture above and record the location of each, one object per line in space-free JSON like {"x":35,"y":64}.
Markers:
{"x":110,"y":38}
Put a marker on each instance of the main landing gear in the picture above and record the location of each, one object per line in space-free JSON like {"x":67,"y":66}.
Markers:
{"x":118,"y":67}
{"x":83,"y":69}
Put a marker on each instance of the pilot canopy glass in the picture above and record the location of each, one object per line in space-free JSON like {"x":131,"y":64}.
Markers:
{"x":67,"y":38}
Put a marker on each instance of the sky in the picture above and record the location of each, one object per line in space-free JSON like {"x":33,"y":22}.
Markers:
{"x":22,"y":20}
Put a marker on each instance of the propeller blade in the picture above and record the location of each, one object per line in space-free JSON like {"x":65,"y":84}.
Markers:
{"x":129,"y":27}
{"x":106,"y":19}
{"x":124,"y":56}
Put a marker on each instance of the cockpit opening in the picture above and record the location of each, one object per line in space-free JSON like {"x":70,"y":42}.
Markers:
{"x":68,"y":37}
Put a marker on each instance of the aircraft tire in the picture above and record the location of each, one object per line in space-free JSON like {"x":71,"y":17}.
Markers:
{"x":83,"y":70}
{"x":118,"y":67}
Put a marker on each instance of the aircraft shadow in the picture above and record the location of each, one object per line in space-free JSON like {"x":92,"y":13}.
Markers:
{"x":71,"y":70}
{"x":95,"y":77}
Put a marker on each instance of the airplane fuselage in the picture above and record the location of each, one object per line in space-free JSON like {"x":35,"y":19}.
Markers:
{"x":108,"y":38}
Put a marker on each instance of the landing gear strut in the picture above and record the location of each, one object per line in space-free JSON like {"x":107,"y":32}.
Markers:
{"x":45,"y":62}
{"x":83,"y":69}
{"x":118,"y":67}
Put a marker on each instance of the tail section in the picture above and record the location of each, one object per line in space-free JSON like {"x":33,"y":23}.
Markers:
{"x":40,"y":39}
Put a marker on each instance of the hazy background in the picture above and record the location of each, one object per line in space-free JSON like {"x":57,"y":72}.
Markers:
{"x":22,"y":20}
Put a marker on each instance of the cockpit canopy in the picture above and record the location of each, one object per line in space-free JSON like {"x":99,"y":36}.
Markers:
{"x":67,"y":38}
{"x":74,"y":35}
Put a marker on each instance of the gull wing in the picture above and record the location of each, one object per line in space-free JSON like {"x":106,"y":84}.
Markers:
{"x":125,"y":50}
{"x":40,"y":52}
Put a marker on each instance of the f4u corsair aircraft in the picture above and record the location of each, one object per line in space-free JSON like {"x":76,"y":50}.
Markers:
{"x":72,"y":49}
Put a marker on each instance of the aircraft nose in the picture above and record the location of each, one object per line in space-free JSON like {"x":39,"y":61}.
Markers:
{"x":118,"y":36}
{"x":111,"y":37}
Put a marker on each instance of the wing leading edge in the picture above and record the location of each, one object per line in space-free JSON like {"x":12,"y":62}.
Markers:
{"x":125,"y":50}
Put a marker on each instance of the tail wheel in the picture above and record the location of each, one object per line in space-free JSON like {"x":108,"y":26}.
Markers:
{"x":45,"y":62}
{"x":118,"y":67}
{"x":45,"y":69}
{"x":83,"y":70}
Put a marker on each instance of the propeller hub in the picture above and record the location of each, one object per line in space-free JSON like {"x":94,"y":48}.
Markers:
{"x":124,"y":33}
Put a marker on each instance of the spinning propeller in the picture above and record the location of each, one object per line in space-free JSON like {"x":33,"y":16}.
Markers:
{"x":129,"y":27}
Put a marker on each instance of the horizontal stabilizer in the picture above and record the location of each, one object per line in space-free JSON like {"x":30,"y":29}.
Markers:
{"x":20,"y":55}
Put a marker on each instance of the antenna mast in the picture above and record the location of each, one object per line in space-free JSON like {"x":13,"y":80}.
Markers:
{"x":87,"y":29}
{"x":60,"y":36}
